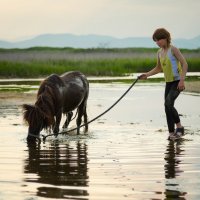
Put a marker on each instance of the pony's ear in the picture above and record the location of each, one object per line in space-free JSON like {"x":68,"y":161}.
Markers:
{"x":26,"y":111}
{"x":27,"y":107}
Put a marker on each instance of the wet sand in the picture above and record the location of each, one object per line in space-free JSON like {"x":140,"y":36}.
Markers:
{"x":125,"y":155}
{"x":18,"y":98}
{"x":192,"y":86}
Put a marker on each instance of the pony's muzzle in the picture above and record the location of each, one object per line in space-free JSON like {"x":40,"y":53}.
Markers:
{"x":32,"y":138}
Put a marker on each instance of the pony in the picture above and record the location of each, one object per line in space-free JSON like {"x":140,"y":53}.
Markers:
{"x":57,"y":95}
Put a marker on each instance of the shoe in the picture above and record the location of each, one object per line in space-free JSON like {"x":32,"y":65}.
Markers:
{"x":172,"y":136}
{"x":179,"y":132}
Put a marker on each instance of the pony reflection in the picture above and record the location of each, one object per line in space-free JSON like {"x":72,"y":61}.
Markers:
{"x":58,"y":165}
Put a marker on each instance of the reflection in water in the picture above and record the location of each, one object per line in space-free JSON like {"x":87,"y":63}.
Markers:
{"x":172,"y":170}
{"x":61,"y":170}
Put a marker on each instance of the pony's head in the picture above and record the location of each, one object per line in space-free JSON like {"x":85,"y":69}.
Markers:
{"x":36,"y":120}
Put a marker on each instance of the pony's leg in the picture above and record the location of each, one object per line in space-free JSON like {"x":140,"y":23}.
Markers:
{"x":57,"y":123}
{"x":85,"y":119}
{"x":82,"y":112}
{"x":68,"y":119}
{"x":79,"y":118}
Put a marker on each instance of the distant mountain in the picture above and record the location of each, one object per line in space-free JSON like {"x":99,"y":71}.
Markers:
{"x":193,"y":43}
{"x":94,"y":41}
{"x":4,"y":44}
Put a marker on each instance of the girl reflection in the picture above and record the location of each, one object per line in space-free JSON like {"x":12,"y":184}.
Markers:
{"x":58,"y":165}
{"x":172,"y":170}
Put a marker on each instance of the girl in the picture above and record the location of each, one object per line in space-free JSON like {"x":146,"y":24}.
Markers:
{"x":173,"y":64}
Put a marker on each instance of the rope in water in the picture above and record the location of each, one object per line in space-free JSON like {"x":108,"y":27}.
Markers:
{"x":67,"y":131}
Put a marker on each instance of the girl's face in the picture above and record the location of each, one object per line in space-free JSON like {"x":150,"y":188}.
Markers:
{"x":162,"y":43}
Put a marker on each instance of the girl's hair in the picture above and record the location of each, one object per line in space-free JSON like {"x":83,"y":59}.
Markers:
{"x":162,"y":33}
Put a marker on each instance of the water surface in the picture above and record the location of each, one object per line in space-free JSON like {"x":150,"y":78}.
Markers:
{"x":125,"y":155}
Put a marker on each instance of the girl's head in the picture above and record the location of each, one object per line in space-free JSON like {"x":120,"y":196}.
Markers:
{"x":161,"y":33}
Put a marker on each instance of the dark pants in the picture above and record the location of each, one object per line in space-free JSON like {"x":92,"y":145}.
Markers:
{"x":171,"y":93}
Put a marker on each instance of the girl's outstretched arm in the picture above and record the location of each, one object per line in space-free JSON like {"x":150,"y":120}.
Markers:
{"x":152,"y":72}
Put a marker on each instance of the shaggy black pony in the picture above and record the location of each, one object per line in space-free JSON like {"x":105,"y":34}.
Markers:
{"x":57,"y":95}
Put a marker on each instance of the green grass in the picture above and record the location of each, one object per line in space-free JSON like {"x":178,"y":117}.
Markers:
{"x":115,"y":67}
{"x":42,"y":61}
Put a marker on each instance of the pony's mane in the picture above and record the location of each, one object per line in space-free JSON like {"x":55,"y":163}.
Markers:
{"x":47,"y":102}
{"x":32,"y":114}
{"x":48,"y":97}
{"x":50,"y":81}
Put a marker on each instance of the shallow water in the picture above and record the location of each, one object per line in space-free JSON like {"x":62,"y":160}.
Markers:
{"x":125,"y":155}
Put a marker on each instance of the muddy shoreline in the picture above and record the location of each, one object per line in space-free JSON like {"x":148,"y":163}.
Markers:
{"x":192,"y":86}
{"x":18,"y":98}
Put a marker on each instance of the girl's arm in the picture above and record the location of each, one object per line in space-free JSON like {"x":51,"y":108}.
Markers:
{"x":184,"y":65}
{"x":152,"y":72}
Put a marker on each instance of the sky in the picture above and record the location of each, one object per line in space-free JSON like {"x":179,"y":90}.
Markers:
{"x":23,"y":19}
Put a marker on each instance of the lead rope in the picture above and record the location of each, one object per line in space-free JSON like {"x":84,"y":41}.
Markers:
{"x":62,"y":132}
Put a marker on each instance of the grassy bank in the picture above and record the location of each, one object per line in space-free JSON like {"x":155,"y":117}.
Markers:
{"x":40,"y":62}
{"x":103,"y":67}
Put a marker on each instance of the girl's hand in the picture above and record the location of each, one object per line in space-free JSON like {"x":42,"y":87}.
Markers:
{"x":143,"y":76}
{"x":181,"y":85}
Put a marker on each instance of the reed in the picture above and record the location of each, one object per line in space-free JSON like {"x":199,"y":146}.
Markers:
{"x":40,"y":62}
{"x":116,"y":67}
